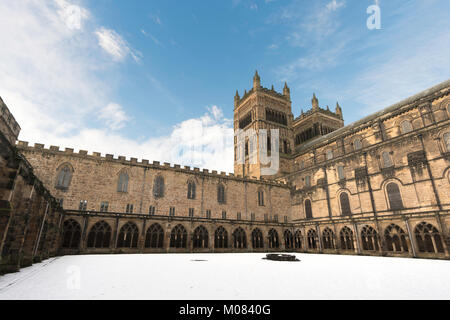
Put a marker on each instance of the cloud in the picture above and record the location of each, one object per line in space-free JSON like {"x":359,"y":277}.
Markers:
{"x":334,"y":5}
{"x":114,"y":116}
{"x":115,"y":45}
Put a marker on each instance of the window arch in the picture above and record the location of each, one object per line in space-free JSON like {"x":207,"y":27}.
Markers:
{"x":357,"y":144}
{"x":221,"y":238}
{"x":128,"y":236}
{"x":191,"y":190}
{"x":221,"y":193}
{"x":387,"y":161}
{"x":328,"y":238}
{"x":395,"y":239}
{"x":446,"y":137}
{"x":71,"y":234}
{"x":406,"y":126}
{"x":178,"y":237}
{"x":428,"y":238}
{"x":99,"y":236}
{"x":346,"y":237}
{"x":257,"y":239}
{"x":261,"y":197}
{"x":154,"y":237}
{"x":64,"y":177}
{"x":345,"y":204}
{"x":273,"y":239}
{"x":122,"y":185}
{"x":369,"y":239}
{"x":288,"y":239}
{"x":200,"y":237}
{"x":239,"y":239}
{"x":308,"y":209}
{"x":158,"y":187}
{"x":312,"y":239}
{"x":394,"y":196}
{"x":298,"y":239}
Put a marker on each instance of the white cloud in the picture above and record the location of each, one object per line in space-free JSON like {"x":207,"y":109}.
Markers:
{"x":115,"y":45}
{"x":334,"y":5}
{"x":114,"y":116}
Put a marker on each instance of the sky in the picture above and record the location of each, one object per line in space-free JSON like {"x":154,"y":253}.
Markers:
{"x":156,"y":79}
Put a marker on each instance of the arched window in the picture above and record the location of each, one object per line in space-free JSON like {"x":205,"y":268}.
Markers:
{"x":387,"y":162}
{"x":428,"y":238}
{"x":239,"y":239}
{"x":395,"y":198}
{"x":447,"y":141}
{"x":328,"y":239}
{"x":122,"y":185}
{"x":154,"y":237}
{"x":221,"y":193}
{"x":395,"y":239}
{"x":312,"y":239}
{"x":158,"y":187}
{"x":200,"y":238}
{"x":273,"y":239}
{"x":178,"y":237}
{"x":345,"y":204}
{"x":128,"y":236}
{"x":221,"y":238}
{"x":308,"y":209}
{"x":357,"y":144}
{"x":99,"y":236}
{"x":64,"y":178}
{"x":346,"y":237}
{"x":257,"y":239}
{"x":369,"y":239}
{"x":261,"y":197}
{"x":71,"y":234}
{"x":191,"y":190}
{"x":298,"y":239}
{"x":406,"y":127}
{"x":288,"y":239}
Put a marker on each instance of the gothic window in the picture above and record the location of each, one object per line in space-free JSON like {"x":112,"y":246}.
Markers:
{"x":357,"y":144}
{"x":83,"y":205}
{"x":428,"y":238}
{"x":387,"y":162}
{"x":394,"y":196}
{"x":71,"y":234}
{"x":221,"y":238}
{"x":345,"y":204}
{"x":200,"y":238}
{"x":308,"y":181}
{"x":288,"y":239}
{"x":273,"y":239}
{"x":257,"y":239}
{"x":298,"y":239}
{"x":329,"y":154}
{"x":154,"y":238}
{"x":447,"y":141}
{"x":261,"y":197}
{"x":221,"y":193}
{"x":406,"y":127}
{"x":239,"y":239}
{"x":328,"y":239}
{"x":191,"y":190}
{"x":122,"y":185}
{"x":104,"y":206}
{"x":346,"y":237}
{"x":178,"y":237}
{"x":395,"y":239}
{"x":99,"y":236}
{"x":341,"y":172}
{"x":128,"y":236}
{"x":312,"y":239}
{"x":64,"y":178}
{"x":308,"y":209}
{"x":369,"y":239}
{"x":158,"y":187}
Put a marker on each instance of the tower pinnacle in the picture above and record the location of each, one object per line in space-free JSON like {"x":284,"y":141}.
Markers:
{"x":256,"y":81}
{"x":315,"y":102}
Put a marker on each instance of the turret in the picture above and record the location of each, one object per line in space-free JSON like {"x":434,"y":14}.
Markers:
{"x":315,"y":102}
{"x":339,"y":111}
{"x":256,"y":81}
{"x":236,"y":99}
{"x":286,"y":91}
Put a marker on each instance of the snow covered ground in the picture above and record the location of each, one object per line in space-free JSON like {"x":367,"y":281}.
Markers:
{"x":228,"y":276}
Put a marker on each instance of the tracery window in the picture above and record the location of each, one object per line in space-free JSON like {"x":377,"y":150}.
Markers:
{"x":128,"y":236}
{"x":154,"y":237}
{"x":273,"y":239}
{"x":239,"y":239}
{"x":328,"y":238}
{"x":395,"y":239}
{"x":312,"y":239}
{"x":221,"y":238}
{"x":406,"y":127}
{"x":298,"y":239}
{"x":346,"y":237}
{"x":71,"y":234}
{"x":428,"y":238}
{"x":288,"y":239}
{"x":99,"y":236}
{"x":200,"y":238}
{"x":369,"y":239}
{"x":257,"y":239}
{"x":64,"y":178}
{"x":178,"y":237}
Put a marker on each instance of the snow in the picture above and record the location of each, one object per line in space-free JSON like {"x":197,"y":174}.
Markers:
{"x":228,"y":276}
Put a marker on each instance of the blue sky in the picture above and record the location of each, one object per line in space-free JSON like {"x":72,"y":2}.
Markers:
{"x":138,"y":78}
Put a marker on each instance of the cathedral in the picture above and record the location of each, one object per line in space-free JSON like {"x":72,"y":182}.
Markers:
{"x":379,"y":186}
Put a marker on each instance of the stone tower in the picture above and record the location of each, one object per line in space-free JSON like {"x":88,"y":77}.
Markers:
{"x":262,"y":108}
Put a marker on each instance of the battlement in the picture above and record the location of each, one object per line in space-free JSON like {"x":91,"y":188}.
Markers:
{"x":8,"y":124}
{"x":24,"y":146}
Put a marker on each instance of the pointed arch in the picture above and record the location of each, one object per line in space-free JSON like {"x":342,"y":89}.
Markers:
{"x":369,"y":239}
{"x":394,"y":196}
{"x":328,"y":239}
{"x":346,"y":239}
{"x":274,"y":241}
{"x":428,"y":238}
{"x":200,"y":238}
{"x":345,"y":204}
{"x":71,"y":234}
{"x":154,"y":237}
{"x":239,"y":239}
{"x":257,"y":239}
{"x":298,"y":239}
{"x":395,"y":239}
{"x":178,"y":237}
{"x":221,"y":238}
{"x":128,"y":236}
{"x":312,"y":239}
{"x":100,"y":235}
{"x":64,"y":176}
